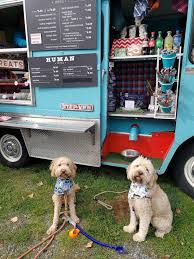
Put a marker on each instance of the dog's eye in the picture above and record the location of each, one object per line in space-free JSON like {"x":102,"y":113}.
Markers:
{"x":146,"y":169}
{"x":67,"y":164}
{"x":59,"y":165}
{"x":137,"y":165}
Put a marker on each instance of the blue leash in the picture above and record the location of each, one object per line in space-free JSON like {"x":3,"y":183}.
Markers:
{"x":118,"y":249}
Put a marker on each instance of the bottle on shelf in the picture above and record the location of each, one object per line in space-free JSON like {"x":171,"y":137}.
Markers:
{"x":152,"y":44}
{"x":145,"y":44}
{"x":177,"y":41}
{"x":159,"y":41}
{"x":168,"y":42}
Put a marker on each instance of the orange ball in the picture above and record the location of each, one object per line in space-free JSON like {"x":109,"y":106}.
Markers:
{"x":73,"y":233}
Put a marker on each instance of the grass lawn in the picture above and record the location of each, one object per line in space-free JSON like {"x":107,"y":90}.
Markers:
{"x":35,"y":213}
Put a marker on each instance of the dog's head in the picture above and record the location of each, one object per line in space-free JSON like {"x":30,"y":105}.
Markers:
{"x":63,"y":167}
{"x":142,"y":171}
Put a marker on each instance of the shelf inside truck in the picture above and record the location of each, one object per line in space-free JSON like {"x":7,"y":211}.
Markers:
{"x":132,"y":114}
{"x":130,"y":58}
{"x":148,"y":115}
{"x":115,"y":159}
{"x":141,"y":57}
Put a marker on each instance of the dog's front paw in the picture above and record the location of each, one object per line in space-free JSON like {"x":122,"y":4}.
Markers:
{"x":159,"y":234}
{"x":51,"y":230}
{"x":129,"y":229}
{"x":138,"y":238}
{"x":75,"y":219}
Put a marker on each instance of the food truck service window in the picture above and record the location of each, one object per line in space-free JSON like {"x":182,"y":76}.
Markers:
{"x":14,"y":77}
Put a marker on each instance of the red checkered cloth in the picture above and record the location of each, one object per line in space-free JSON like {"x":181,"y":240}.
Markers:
{"x":180,"y":6}
{"x":131,"y":77}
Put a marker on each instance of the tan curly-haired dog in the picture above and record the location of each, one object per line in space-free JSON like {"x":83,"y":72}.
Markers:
{"x":148,"y":203}
{"x":64,"y":170}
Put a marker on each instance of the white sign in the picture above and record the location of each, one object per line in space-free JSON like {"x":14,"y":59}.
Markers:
{"x":77,"y":107}
{"x":12,"y":64}
{"x":129,"y":105}
{"x":60,"y":59}
{"x":36,"y":38}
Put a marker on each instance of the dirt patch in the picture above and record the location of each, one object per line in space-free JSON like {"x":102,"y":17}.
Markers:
{"x":121,"y":207}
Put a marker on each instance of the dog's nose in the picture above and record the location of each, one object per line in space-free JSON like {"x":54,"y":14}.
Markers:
{"x":138,"y":174}
{"x":63,"y":171}
{"x":137,"y":179}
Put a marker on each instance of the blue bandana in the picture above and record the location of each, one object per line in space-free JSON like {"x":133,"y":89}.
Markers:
{"x":137,"y":191}
{"x":62,"y":186}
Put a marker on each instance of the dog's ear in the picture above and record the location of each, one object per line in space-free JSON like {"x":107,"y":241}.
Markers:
{"x":128,"y":172}
{"x":52,"y":168}
{"x":153,"y":179}
{"x":73,"y":169}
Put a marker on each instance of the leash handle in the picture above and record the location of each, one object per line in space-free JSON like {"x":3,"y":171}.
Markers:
{"x":106,"y":205}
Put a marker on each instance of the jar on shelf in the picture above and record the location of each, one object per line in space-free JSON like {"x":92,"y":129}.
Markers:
{"x":132,"y":31}
{"x":142,"y":30}
{"x":120,"y":52}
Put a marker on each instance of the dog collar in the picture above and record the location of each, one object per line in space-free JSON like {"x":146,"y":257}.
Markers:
{"x":62,"y":186}
{"x":137,"y":191}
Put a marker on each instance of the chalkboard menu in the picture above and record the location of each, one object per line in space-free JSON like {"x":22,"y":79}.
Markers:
{"x":64,"y":71}
{"x":61,"y":24}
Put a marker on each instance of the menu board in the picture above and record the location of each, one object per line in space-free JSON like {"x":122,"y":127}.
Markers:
{"x":61,"y":24}
{"x":64,"y":71}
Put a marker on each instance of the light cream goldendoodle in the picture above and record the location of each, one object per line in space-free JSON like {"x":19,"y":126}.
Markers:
{"x":148,"y":203}
{"x":64,"y":170}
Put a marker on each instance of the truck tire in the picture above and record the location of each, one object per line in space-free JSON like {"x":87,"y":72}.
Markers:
{"x":183,"y":169}
{"x":13,"y":152}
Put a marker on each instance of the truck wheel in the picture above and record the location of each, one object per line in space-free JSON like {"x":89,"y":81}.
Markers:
{"x":13,"y":152}
{"x":184,"y":170}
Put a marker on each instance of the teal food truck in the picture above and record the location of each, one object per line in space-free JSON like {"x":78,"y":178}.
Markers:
{"x":99,"y":81}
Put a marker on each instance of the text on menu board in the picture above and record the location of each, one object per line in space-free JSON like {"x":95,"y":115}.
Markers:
{"x":64,"y":71}
{"x":61,"y":24}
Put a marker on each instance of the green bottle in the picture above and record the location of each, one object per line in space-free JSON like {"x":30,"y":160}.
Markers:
{"x":168,"y":43}
{"x":159,"y":41}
